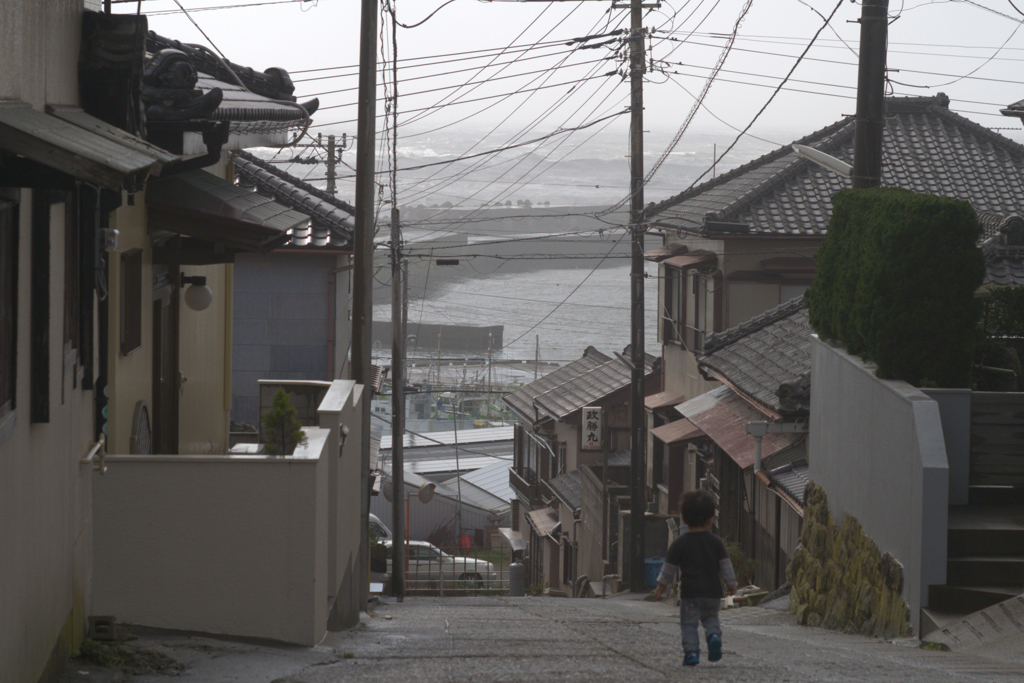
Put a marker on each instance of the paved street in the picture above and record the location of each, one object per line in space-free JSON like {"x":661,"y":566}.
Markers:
{"x":550,"y":639}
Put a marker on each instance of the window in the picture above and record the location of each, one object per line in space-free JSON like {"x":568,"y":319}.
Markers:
{"x":8,"y":304}
{"x":131,"y":301}
{"x":72,"y":284}
{"x":674,"y":311}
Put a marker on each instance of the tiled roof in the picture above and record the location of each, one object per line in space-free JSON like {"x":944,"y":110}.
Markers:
{"x":926,"y":148}
{"x":521,"y":400}
{"x":792,"y":479}
{"x":1001,"y":244}
{"x":590,"y":387}
{"x":763,"y":354}
{"x":330,"y":225}
{"x":567,"y":488}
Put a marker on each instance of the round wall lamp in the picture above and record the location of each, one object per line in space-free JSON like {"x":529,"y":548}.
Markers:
{"x":198,"y":296}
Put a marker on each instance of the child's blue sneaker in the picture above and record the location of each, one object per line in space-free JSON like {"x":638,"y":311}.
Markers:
{"x":692,"y":658}
{"x":714,"y":647}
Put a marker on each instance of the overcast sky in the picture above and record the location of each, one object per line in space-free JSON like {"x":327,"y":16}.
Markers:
{"x":972,"y":51}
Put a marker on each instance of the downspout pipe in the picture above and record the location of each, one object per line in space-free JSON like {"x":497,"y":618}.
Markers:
{"x":757,"y":430}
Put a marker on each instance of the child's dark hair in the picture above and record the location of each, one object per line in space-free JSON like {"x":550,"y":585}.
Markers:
{"x":698,"y":507}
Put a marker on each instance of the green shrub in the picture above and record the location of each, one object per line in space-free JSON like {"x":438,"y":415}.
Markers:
{"x":283,"y":429}
{"x":896,"y":281}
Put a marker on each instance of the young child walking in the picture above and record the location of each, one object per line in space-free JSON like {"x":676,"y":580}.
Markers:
{"x":703,"y":563}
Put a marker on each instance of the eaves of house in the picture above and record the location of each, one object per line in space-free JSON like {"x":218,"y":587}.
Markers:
{"x":330,"y":225}
{"x":926,"y":148}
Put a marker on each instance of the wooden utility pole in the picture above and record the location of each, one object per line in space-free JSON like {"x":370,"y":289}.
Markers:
{"x":870,"y":118}
{"x":638,"y":423}
{"x":362,"y":286}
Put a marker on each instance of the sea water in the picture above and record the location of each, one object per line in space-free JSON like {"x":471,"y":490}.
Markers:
{"x":552,"y":305}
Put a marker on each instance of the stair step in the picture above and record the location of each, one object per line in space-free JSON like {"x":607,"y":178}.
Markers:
{"x":987,"y":542}
{"x":981,"y":495}
{"x":985,"y":571}
{"x":933,"y":620}
{"x":969,"y":598}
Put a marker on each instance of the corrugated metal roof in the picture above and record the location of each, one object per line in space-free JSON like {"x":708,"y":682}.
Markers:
{"x":461,"y":437}
{"x":435,"y":466}
{"x":760,"y":355}
{"x":330,"y":225}
{"x":521,"y":400}
{"x":70,"y":146}
{"x":667,"y":251}
{"x":493,"y":479}
{"x":723,"y":415}
{"x":663,"y":399}
{"x":674,"y":432}
{"x":544,"y":521}
{"x":474,"y":495}
{"x":926,"y":148}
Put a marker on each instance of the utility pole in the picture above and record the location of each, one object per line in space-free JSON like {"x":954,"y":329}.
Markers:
{"x":870,"y":118}
{"x":400,"y":561}
{"x":362,"y":286}
{"x":331,"y":189}
{"x":397,"y":403}
{"x":638,"y":440}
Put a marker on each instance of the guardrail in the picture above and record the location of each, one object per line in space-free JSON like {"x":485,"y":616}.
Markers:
{"x":453,"y":573}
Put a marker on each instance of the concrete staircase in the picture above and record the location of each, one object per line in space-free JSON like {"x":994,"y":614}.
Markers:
{"x":985,"y":558}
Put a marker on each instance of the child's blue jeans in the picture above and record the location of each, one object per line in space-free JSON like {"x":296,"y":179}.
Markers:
{"x":704,"y":610}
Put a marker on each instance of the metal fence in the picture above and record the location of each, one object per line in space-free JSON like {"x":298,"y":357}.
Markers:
{"x":454,"y":571}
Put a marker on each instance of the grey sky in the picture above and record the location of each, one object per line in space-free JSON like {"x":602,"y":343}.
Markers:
{"x":956,"y":47}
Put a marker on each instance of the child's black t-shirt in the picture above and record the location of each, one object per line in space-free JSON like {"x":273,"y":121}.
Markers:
{"x":698,"y":554}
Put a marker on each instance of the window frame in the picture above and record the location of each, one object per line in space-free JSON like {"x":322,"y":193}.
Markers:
{"x":131,"y":301}
{"x":9,"y":241}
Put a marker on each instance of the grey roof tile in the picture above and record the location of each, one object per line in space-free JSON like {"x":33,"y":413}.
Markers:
{"x":926,"y":148}
{"x":590,"y":387}
{"x":521,"y":400}
{"x":760,"y":355}
{"x":567,"y":488}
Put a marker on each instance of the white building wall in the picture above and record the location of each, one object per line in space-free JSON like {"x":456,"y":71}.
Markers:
{"x":877,"y":448}
{"x":45,"y":494}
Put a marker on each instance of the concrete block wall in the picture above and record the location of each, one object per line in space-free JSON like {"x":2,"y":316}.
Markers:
{"x":234,"y":545}
{"x":281,"y":321}
{"x":878,"y":449}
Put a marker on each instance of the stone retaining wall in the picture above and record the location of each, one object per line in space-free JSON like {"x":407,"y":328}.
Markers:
{"x":840,"y":578}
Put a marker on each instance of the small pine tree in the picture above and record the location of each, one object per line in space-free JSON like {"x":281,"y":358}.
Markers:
{"x":284,"y":431}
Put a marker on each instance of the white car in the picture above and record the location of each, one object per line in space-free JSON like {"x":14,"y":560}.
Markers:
{"x":428,"y":563}
{"x":378,"y":531}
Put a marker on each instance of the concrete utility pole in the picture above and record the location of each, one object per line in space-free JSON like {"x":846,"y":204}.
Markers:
{"x":362,"y":286}
{"x":397,"y":404}
{"x":331,"y":188}
{"x":638,"y":440}
{"x":400,"y":560}
{"x":870,"y":119}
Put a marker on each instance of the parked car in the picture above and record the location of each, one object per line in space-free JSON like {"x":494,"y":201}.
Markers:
{"x":427,"y":563}
{"x":378,"y":531}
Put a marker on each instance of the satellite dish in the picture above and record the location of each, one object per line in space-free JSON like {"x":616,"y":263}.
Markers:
{"x":426,"y":493}
{"x":389,"y":491}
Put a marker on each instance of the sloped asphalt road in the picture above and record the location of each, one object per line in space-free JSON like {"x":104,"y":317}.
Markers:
{"x":484,"y":640}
